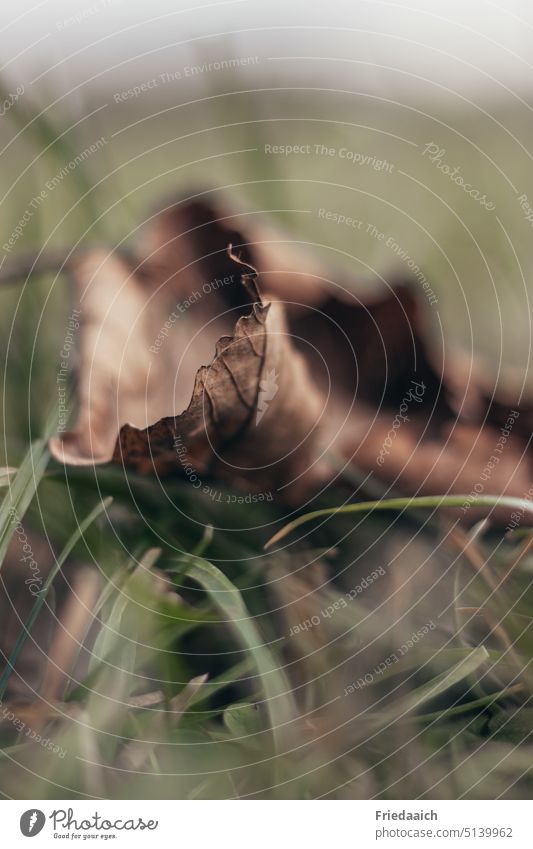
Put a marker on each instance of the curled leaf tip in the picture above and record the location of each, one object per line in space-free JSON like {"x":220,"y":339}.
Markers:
{"x":248,"y":278}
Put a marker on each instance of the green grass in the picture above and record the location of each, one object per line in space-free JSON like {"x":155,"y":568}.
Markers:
{"x":427,"y":502}
{"x":179,"y":599}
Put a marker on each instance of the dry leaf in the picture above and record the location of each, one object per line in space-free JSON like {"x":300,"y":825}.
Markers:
{"x":310,"y":366}
{"x":253,"y":411}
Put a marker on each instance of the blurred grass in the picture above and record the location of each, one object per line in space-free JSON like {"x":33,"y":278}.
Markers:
{"x":450,"y":718}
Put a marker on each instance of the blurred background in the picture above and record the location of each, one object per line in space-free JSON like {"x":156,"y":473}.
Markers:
{"x":392,"y":140}
{"x":189,"y":95}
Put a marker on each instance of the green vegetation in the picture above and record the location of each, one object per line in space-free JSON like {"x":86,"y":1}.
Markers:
{"x":216,"y":668}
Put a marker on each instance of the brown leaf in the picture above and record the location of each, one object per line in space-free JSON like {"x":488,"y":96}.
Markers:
{"x":120,"y":381}
{"x":316,"y":366}
{"x":129,"y":393}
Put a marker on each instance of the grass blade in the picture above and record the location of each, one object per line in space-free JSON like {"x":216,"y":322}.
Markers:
{"x":467,"y":707}
{"x":225,"y":595}
{"x":458,"y":672}
{"x":424,"y":502}
{"x":17,"y":499}
{"x":40,"y":599}
{"x":106,"y":641}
